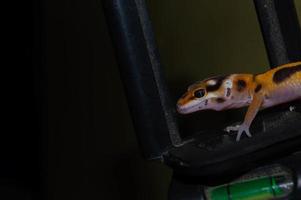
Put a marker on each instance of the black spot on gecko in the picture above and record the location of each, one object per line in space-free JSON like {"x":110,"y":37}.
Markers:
{"x":284,"y":73}
{"x":258,"y":88}
{"x":206,"y":102}
{"x":219,"y":81}
{"x":220,"y":100}
{"x":228,"y":92}
{"x":241,"y":85}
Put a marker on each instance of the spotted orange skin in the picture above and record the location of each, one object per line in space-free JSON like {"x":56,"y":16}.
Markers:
{"x":277,"y":92}
{"x":263,"y":81}
{"x":279,"y":85}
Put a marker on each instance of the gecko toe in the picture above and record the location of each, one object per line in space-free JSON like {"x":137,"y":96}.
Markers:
{"x":248,"y":133}
{"x":232,"y":128}
{"x":242,"y":129}
{"x":238,"y":136}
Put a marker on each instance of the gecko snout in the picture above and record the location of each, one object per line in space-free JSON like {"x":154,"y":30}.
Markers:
{"x":181,"y":104}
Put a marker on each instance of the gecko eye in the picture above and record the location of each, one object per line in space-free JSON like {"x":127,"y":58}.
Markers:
{"x":199,"y":93}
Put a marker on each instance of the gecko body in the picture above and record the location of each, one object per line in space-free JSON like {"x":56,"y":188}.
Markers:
{"x":276,"y":86}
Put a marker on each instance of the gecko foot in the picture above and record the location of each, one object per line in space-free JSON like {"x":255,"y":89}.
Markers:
{"x":292,"y":108}
{"x":240,"y":129}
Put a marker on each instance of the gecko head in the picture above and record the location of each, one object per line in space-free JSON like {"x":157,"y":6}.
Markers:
{"x":209,"y":94}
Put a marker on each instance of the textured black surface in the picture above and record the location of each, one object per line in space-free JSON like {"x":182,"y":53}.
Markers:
{"x":211,"y":159}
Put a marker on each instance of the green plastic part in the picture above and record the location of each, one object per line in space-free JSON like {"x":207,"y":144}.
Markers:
{"x":257,"y":189}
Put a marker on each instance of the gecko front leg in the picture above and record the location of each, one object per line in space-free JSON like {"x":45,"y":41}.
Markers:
{"x":249,"y":117}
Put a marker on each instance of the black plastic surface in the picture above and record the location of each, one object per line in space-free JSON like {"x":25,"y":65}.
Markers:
{"x":212,"y":159}
{"x":181,"y":189}
{"x":141,"y":72}
{"x":280,"y":29}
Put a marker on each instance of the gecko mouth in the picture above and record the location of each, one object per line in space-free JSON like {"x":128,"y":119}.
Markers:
{"x":188,"y":109}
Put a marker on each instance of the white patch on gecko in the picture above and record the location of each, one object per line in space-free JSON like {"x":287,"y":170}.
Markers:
{"x":229,"y":84}
{"x":211,"y":82}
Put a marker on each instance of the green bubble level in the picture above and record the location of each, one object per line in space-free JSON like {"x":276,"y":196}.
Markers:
{"x":255,"y":189}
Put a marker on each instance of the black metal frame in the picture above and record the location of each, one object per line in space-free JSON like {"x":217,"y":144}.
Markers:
{"x":154,"y":116}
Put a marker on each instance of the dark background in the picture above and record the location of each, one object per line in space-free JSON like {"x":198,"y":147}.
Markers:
{"x":67,"y":131}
